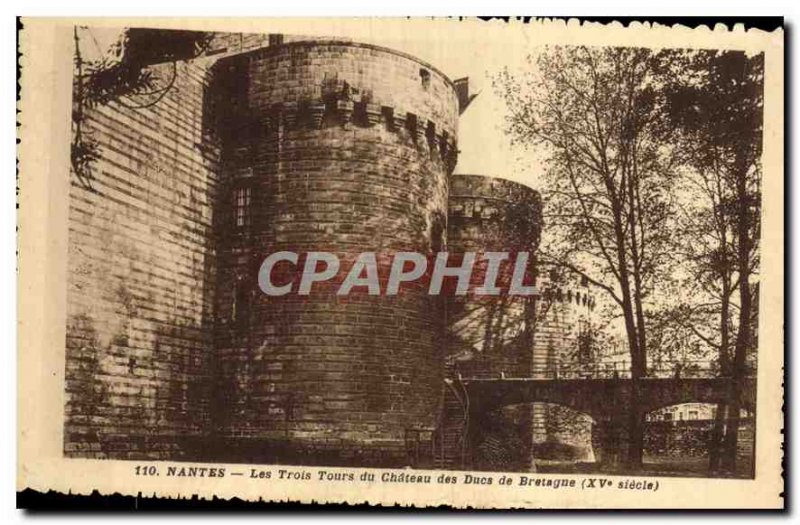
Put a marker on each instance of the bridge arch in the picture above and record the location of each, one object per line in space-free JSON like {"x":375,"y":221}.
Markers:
{"x":661,"y":393}
{"x":529,"y":432}
{"x":606,"y":400}
{"x":603,"y":399}
{"x":562,"y":434}
{"x":587,"y":396}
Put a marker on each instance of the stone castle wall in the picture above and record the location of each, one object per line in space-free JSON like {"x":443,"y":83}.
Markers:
{"x":173,"y":352}
{"x":341,"y":146}
{"x":142,"y":266}
{"x":141,"y":263}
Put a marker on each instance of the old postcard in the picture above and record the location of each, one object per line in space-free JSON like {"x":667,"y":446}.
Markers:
{"x":397,"y":261}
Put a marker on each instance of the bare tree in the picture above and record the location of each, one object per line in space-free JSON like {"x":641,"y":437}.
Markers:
{"x":714,"y":100}
{"x":594,"y":114}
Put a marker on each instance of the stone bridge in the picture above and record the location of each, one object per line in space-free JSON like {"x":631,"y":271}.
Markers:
{"x":602,"y":399}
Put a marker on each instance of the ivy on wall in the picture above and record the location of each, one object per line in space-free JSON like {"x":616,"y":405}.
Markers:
{"x":105,"y":80}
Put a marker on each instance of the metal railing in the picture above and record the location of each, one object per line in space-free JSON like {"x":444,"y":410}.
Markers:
{"x":662,"y":369}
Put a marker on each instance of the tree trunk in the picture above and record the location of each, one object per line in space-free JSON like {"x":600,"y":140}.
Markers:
{"x":715,"y":442}
{"x":743,"y":332}
{"x":635,"y":427}
{"x":718,"y":432}
{"x":638,"y":371}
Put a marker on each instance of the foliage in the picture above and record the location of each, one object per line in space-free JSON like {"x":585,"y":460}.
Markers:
{"x":594,"y":112}
{"x":652,"y":189}
{"x":714,"y":103}
{"x":106,"y":79}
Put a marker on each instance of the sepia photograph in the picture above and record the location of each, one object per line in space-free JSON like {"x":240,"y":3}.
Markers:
{"x":399,"y":258}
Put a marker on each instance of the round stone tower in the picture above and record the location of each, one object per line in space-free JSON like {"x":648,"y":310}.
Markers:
{"x":490,"y":335}
{"x":346,"y":148}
